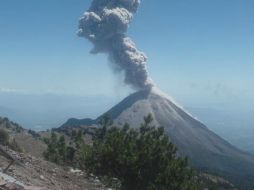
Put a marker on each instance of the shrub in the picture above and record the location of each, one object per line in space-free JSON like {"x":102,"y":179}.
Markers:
{"x":52,"y":153}
{"x":141,"y":158}
{"x":126,"y":158}
{"x":34,"y":134}
{"x":7,"y":141}
{"x":58,"y":152}
{"x":15,"y":146}
{"x":4,"y":137}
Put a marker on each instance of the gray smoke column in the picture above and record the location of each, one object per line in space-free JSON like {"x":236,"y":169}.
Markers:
{"x":105,"y":25}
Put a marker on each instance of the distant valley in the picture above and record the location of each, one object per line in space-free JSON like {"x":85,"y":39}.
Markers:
{"x":40,"y":112}
{"x":236,"y":126}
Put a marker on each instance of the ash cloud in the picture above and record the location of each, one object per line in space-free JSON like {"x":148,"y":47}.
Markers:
{"x":105,"y":25}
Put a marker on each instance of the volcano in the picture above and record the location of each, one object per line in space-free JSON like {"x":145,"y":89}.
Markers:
{"x":206,"y":151}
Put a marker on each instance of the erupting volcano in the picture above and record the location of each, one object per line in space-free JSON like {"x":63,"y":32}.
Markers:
{"x":105,"y":25}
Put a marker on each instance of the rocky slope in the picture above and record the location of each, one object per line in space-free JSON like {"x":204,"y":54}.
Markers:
{"x":28,"y":140}
{"x":35,"y":173}
{"x":30,"y":171}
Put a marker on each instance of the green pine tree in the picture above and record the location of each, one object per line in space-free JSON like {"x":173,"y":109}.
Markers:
{"x":141,"y":158}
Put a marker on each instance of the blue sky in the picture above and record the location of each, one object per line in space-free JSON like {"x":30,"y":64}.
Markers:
{"x":199,"y":50}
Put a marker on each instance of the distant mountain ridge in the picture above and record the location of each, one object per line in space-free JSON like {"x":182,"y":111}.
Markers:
{"x":78,"y":122}
{"x":206,"y":150}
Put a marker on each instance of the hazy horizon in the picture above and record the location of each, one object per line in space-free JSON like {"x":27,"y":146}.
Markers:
{"x":45,"y":111}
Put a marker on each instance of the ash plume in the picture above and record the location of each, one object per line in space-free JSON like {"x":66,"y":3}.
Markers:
{"x":105,"y":25}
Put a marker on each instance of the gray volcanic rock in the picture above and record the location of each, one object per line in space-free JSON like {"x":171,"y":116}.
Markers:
{"x":206,"y":150}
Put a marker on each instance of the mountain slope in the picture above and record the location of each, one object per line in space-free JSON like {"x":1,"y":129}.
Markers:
{"x":30,"y":171}
{"x":25,"y":139}
{"x":206,"y":150}
{"x":37,"y":174}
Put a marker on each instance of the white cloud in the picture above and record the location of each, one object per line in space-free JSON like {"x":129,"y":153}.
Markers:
{"x":10,"y":90}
